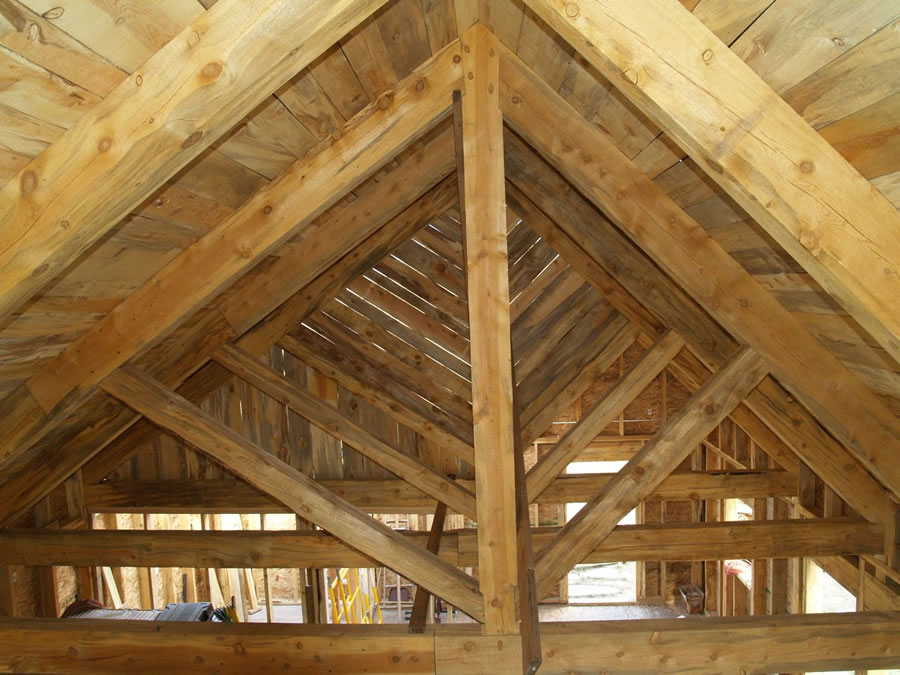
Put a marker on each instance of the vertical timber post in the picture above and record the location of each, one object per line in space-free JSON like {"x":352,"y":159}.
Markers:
{"x":487,"y":273}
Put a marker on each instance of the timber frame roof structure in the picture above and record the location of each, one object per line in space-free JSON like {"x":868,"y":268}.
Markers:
{"x":457,"y":213}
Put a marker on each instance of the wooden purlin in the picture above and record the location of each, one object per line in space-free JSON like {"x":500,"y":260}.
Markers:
{"x":218,"y":495}
{"x":276,"y":549}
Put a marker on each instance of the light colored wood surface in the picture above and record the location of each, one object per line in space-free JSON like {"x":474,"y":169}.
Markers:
{"x":487,"y":268}
{"x":311,"y":501}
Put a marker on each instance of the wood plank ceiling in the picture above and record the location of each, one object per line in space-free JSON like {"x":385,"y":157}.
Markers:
{"x":394,"y":334}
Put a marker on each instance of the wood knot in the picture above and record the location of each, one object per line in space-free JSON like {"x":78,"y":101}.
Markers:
{"x":807,"y":167}
{"x":457,"y":58}
{"x":385,"y":100}
{"x":54,"y":13}
{"x":193,"y":138}
{"x":246,"y":253}
{"x":630,"y":76}
{"x":65,"y":224}
{"x":139,"y":79}
{"x":516,"y":100}
{"x":105,"y":144}
{"x":571,"y":10}
{"x":420,"y":84}
{"x":267,"y":209}
{"x":28,"y":183}
{"x":193,"y":39}
{"x":212,"y":70}
{"x":707,"y":55}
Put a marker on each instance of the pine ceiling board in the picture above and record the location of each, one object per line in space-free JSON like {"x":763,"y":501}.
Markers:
{"x":367,"y":54}
{"x":409,"y":284}
{"x":370,"y":332}
{"x":40,"y":94}
{"x":542,"y":49}
{"x":687,"y":184}
{"x":429,"y":263}
{"x":529,"y":266}
{"x":556,"y":301}
{"x":246,"y":144}
{"x":860,"y":77}
{"x":437,"y":240}
{"x":174,"y":204}
{"x":658,"y":156}
{"x":505,"y":18}
{"x":125,"y":33}
{"x":440,"y":22}
{"x":878,"y":380}
{"x":728,"y":19}
{"x":402,"y":25}
{"x":275,"y":121}
{"x":388,"y":280}
{"x":40,"y":41}
{"x":583,"y":87}
{"x":519,"y":240}
{"x":25,"y":135}
{"x":391,"y":365}
{"x":765,"y":260}
{"x":870,"y":138}
{"x":217,"y":177}
{"x":408,"y":323}
{"x":10,"y":164}
{"x":551,"y":273}
{"x":794,"y":38}
{"x":306,"y":101}
{"x":337,"y":79}
{"x":889,"y":186}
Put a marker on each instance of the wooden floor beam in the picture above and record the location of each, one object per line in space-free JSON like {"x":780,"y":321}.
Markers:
{"x":698,"y":645}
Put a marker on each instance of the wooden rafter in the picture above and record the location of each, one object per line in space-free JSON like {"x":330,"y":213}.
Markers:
{"x":303,"y":495}
{"x":300,"y":194}
{"x":812,"y":374}
{"x":829,"y":218}
{"x":656,"y":460}
{"x":185,"y":97}
{"x":661,"y":304}
{"x":113,"y":437}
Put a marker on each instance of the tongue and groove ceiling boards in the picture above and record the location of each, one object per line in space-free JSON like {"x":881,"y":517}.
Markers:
{"x":191,"y":186}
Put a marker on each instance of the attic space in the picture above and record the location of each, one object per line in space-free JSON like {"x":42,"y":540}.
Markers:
{"x":449,"y":336}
